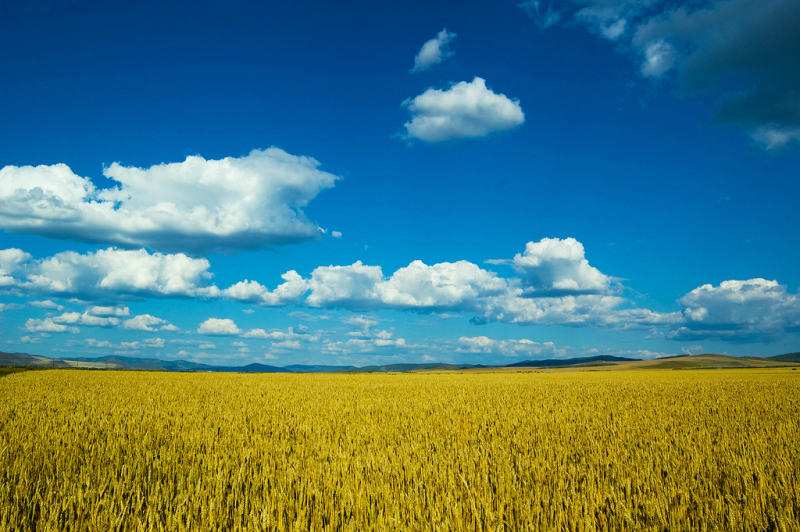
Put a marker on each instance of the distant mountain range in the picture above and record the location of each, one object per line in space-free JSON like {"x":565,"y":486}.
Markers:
{"x":154,"y":364}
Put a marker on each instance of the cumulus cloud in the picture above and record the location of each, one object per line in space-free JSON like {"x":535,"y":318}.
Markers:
{"x":146,"y":322}
{"x":119,"y":312}
{"x":555,"y":267}
{"x":197,"y":206}
{"x":756,"y":309}
{"x":417,"y":286}
{"x":109,"y":273}
{"x":49,"y":325}
{"x":434,"y":51}
{"x":86,"y":319}
{"x":46,"y":304}
{"x":290,"y":292}
{"x":336,"y":234}
{"x":218,"y":327}
{"x":465,"y":110}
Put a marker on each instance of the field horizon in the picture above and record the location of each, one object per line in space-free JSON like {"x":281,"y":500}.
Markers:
{"x":602,"y":362}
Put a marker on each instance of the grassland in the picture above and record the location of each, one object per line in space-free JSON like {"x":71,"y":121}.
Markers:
{"x":643,"y":450}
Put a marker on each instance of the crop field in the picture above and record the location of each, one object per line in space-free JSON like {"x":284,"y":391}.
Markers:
{"x":634,"y":450}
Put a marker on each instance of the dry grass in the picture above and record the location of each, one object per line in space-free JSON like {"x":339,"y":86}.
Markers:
{"x":699,"y":450}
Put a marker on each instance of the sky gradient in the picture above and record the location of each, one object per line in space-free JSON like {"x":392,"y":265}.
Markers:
{"x":481,"y":182}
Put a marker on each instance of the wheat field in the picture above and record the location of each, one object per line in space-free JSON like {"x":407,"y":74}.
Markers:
{"x":639,"y":450}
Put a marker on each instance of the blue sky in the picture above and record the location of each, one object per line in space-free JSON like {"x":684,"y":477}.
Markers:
{"x":378,"y":182}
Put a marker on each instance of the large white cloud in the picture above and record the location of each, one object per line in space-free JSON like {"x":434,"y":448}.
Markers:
{"x":755,"y":309}
{"x":434,"y":51}
{"x":109,"y":273}
{"x":466,"y":109}
{"x":197,"y":206}
{"x":218,"y":327}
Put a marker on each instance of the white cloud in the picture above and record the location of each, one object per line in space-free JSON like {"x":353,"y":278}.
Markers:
{"x":417,"y":286}
{"x":119,"y":312}
{"x":344,"y":286}
{"x":290,"y":292}
{"x":10,"y":262}
{"x":287,"y":344}
{"x":197,"y":206}
{"x":48,"y":325}
{"x":756,"y":309}
{"x":146,"y":322}
{"x":46,"y":304}
{"x":555,"y":267}
{"x":218,"y":327}
{"x":113,"y":272}
{"x":274,"y":334}
{"x":513,"y":348}
{"x":336,"y":234}
{"x":155,"y":343}
{"x":434,"y":51}
{"x":30,"y":340}
{"x":465,"y":110}
{"x":86,"y":319}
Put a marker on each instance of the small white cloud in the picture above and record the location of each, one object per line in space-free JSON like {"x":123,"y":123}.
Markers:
{"x":86,"y":319}
{"x":287,"y":344}
{"x":155,"y":343}
{"x":218,"y":327}
{"x":238,"y":344}
{"x":146,"y":322}
{"x":119,"y":312}
{"x":434,"y":51}
{"x":48,"y":325}
{"x":290,"y":291}
{"x":336,"y":234}
{"x":513,"y":348}
{"x":465,"y":110}
{"x":46,"y":304}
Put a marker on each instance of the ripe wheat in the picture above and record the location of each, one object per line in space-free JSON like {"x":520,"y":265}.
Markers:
{"x":645,"y":450}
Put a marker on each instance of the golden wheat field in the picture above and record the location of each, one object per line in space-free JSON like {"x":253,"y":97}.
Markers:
{"x":646,"y":450}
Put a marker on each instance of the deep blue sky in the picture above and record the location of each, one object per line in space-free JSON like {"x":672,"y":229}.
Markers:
{"x":643,"y":170}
